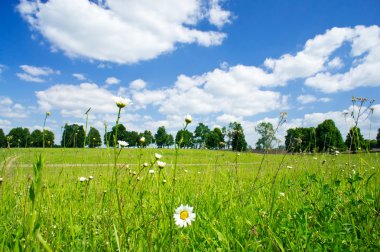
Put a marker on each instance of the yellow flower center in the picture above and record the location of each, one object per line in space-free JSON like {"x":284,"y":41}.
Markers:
{"x":184,"y":215}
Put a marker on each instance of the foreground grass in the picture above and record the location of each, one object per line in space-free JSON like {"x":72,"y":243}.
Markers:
{"x":293,"y":202}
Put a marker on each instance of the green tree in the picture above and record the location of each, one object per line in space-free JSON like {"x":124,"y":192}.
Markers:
{"x":132,"y":138}
{"x":215,"y":139}
{"x":169,"y":140}
{"x":121,"y":135}
{"x":161,"y":137}
{"x":355,"y":140}
{"x":2,"y":139}
{"x":49,"y":138}
{"x":200,"y":135}
{"x":149,"y":139}
{"x":237,"y":136}
{"x":300,"y":140}
{"x":265,"y":129}
{"x":93,"y":138}
{"x":328,"y":136}
{"x":184,"y":138}
{"x":378,"y":138}
{"x":73,"y":136}
{"x":18,"y":137}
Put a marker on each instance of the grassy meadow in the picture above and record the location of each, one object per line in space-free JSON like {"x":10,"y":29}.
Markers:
{"x":242,"y":201}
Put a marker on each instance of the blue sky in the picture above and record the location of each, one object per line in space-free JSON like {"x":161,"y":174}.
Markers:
{"x":218,"y":60}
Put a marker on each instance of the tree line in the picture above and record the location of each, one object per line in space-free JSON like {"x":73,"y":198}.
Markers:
{"x":325,"y":137}
{"x":74,"y":136}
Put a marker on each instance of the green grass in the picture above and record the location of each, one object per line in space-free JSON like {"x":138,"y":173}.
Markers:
{"x":293,"y":202}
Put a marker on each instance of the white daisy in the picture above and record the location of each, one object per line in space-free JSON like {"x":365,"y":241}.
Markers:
{"x":82,"y":179}
{"x":142,"y":140}
{"x":161,"y":164}
{"x":151,"y":171}
{"x":122,"y":143}
{"x":158,"y":156}
{"x":184,"y":215}
{"x":122,"y":102}
{"x":188,"y":119}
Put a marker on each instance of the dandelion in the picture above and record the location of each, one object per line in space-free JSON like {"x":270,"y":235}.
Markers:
{"x":82,"y":179}
{"x":188,"y":119}
{"x":122,"y":143}
{"x":161,"y":164}
{"x":184,"y":215}
{"x":122,"y":102}
{"x":158,"y":156}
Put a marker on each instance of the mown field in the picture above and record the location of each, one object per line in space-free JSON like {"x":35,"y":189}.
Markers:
{"x":242,"y":202}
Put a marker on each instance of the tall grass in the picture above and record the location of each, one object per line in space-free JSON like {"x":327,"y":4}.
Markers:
{"x":299,"y":202}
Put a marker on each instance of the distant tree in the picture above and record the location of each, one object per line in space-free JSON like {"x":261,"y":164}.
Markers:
{"x":266,"y":131}
{"x":370,"y":144}
{"x":18,"y":137}
{"x":161,"y":137}
{"x":215,"y":139}
{"x":355,"y":140}
{"x":93,"y":138}
{"x":200,"y":135}
{"x":237,"y":136}
{"x":49,"y":138}
{"x":73,"y":136}
{"x":149,"y":139}
{"x":2,"y":139}
{"x":378,"y":138}
{"x":328,"y":136}
{"x":300,"y":140}
{"x":169,"y":140}
{"x":132,"y":137}
{"x":184,"y":138}
{"x":121,"y":135}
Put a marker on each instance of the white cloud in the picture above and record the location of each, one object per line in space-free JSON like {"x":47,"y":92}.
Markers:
{"x":365,"y":42}
{"x":137,"y":84}
{"x":74,"y":100}
{"x":4,"y":124}
{"x":305,"y":99}
{"x":218,"y":16}
{"x":79,"y":76}
{"x":112,"y":81}
{"x":122,"y":31}
{"x":34,"y":74}
{"x":10,"y":109}
{"x":335,"y":63}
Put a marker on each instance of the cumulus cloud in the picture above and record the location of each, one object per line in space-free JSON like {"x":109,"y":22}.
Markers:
{"x":305,"y":99}
{"x":137,"y":84}
{"x":79,"y":76}
{"x":35,"y":74}
{"x":9,"y":109}
{"x":112,"y":81}
{"x":218,"y":16}
{"x":122,"y":31}
{"x":74,"y":100}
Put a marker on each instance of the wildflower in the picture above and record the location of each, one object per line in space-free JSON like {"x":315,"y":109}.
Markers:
{"x":289,"y":167}
{"x":91,"y":178}
{"x":142,"y":140}
{"x":1,"y":180}
{"x":82,"y":179}
{"x":184,"y":215}
{"x":47,"y":113}
{"x":164,"y":181}
{"x":122,"y":102}
{"x":158,"y":156}
{"x":145,"y":164}
{"x":161,"y":164}
{"x":188,"y":119}
{"x":282,"y":194}
{"x":122,"y":143}
{"x":151,"y":171}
